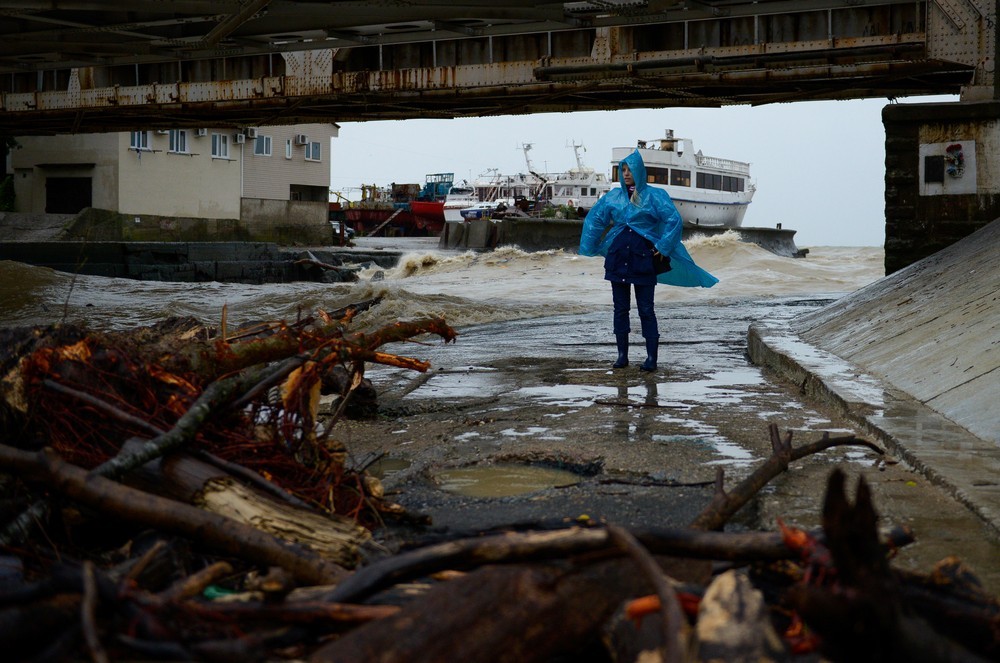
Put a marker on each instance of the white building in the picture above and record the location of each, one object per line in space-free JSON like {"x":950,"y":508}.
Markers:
{"x":279,"y":174}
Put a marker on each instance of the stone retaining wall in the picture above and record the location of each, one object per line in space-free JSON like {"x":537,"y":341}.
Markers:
{"x":228,"y":262}
{"x":922,"y":217}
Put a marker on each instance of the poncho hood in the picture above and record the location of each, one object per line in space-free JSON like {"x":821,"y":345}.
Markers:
{"x":638,"y":168}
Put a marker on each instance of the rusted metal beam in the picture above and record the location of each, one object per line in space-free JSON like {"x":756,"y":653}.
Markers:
{"x":441,"y":58}
{"x":229,"y":25}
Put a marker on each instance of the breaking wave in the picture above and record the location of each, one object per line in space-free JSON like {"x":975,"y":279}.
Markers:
{"x":466,"y":288}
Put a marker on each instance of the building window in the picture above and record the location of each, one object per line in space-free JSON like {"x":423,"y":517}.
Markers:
{"x":288,"y":148}
{"x":220,"y":146}
{"x":178,"y":140}
{"x":262,"y":146}
{"x":680,"y":177}
{"x":139,"y":140}
{"x":313,"y":152}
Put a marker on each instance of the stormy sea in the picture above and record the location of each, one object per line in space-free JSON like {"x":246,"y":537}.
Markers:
{"x":467,"y":288}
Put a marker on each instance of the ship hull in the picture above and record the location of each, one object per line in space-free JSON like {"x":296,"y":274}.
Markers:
{"x":368,"y":220}
{"x":711,"y":213}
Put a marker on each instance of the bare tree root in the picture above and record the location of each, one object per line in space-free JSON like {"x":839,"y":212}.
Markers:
{"x":724,"y":505}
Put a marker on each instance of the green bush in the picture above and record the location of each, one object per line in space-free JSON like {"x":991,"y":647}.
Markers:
{"x":559,"y":212}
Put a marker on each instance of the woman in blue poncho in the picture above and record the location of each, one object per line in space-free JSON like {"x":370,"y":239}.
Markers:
{"x":635,"y":227}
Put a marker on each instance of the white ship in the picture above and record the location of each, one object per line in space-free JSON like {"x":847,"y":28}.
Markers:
{"x":578,"y":187}
{"x":458,"y":198}
{"x":707,"y":191}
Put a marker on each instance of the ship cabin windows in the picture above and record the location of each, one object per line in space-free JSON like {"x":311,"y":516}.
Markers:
{"x":720,"y":182}
{"x":656,"y":175}
{"x":680,"y":177}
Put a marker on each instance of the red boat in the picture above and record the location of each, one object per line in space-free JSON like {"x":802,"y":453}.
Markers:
{"x":400,"y":219}
{"x":430,"y":209}
{"x":405,"y":209}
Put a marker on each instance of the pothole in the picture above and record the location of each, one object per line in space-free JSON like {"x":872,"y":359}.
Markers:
{"x":387,"y":466}
{"x":502,"y":480}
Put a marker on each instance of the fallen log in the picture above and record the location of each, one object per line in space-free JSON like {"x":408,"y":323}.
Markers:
{"x":333,"y":537}
{"x":217,"y":532}
{"x":521,"y":614}
{"x":512,"y":548}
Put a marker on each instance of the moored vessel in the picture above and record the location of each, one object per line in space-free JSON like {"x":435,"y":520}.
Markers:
{"x":459,"y":197}
{"x":579,"y":187}
{"x":707,"y":191}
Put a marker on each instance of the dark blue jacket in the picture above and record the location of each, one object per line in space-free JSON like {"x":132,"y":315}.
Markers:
{"x":630,"y":259}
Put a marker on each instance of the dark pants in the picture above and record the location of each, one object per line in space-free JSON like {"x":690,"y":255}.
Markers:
{"x":621,"y":296}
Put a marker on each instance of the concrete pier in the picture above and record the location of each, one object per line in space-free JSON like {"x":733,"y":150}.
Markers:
{"x":226,"y":262}
{"x":538,"y":234}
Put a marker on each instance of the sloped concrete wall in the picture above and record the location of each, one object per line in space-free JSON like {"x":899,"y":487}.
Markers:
{"x":931,"y":329}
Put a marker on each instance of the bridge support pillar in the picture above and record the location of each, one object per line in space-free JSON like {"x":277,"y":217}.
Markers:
{"x":942,"y":175}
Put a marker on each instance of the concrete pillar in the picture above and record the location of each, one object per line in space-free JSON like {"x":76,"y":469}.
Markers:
{"x":942,"y":176}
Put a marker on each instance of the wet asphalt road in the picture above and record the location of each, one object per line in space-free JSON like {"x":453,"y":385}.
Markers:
{"x":644,"y":448}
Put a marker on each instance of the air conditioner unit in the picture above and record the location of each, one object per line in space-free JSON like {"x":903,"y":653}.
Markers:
{"x":163,"y":132}
{"x":251,"y":132}
{"x":201,"y":132}
{"x":239,"y":138}
{"x":301,"y":139}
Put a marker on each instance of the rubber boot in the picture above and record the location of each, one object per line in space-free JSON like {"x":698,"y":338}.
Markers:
{"x":622,"y":361}
{"x":652,"y":349}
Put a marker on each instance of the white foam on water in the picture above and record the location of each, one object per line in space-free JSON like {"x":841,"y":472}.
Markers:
{"x":466,"y":288}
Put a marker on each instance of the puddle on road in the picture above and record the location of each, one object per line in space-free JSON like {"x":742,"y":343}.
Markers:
{"x":729,"y":452}
{"x":386,"y":466}
{"x":727,"y":387}
{"x":567,"y":395}
{"x":504,"y":480}
{"x":462,"y":382}
{"x":535,"y":432}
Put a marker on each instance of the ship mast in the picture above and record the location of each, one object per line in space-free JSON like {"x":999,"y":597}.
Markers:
{"x":527,"y":159}
{"x":576,"y":152}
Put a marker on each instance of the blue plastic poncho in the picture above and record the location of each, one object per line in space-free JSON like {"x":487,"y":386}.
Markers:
{"x":652,"y":214}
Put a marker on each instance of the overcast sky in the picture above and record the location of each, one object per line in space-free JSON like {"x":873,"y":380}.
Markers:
{"x":819,"y":166}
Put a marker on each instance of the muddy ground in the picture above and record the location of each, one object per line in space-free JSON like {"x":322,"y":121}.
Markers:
{"x":636,"y":449}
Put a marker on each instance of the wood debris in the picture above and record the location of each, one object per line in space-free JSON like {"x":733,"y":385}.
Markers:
{"x":174,"y":493}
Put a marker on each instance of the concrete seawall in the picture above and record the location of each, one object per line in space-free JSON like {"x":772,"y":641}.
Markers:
{"x":915,"y":359}
{"x":538,"y":234}
{"x":227,"y":262}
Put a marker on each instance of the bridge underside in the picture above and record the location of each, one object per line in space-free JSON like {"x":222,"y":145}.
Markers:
{"x":76,"y":66}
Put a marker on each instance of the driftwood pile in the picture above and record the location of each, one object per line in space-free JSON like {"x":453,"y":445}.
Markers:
{"x":173,"y":493}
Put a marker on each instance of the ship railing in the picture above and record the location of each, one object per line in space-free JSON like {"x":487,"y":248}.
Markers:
{"x":724,"y":164}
